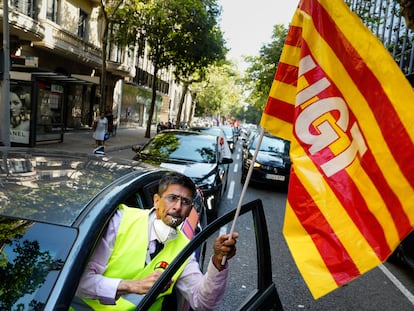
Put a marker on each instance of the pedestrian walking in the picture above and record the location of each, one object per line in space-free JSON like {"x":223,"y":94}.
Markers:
{"x":100,"y":127}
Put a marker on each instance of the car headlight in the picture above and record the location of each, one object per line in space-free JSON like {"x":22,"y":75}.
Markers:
{"x":256,"y":164}
{"x":207,"y":183}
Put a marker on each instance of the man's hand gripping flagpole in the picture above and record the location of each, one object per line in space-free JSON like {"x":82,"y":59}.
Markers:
{"x":246,"y":184}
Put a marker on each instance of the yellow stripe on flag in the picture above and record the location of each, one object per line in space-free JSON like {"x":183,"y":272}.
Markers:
{"x":290,"y":55}
{"x":332,"y":209}
{"x":371,"y":194}
{"x":307,"y":257}
{"x":347,"y":114}
{"x":283,"y":128}
{"x":334,"y":68}
{"x":382,"y":64}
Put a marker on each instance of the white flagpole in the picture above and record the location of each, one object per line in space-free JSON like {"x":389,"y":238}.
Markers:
{"x":246,"y":184}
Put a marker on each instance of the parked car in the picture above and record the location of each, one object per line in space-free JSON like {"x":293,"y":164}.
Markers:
{"x":272,"y":164}
{"x":217,"y":131}
{"x":230,"y":136}
{"x":54,"y":207}
{"x":194,"y":154}
{"x":404,"y":253}
{"x":249,"y":138}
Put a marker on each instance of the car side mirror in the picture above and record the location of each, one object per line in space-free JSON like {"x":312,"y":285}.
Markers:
{"x":226,"y":161}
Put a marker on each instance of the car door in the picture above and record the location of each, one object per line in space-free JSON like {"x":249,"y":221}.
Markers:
{"x":250,"y":285}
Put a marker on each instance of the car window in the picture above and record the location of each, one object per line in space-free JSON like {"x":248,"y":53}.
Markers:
{"x":143,"y":197}
{"x":271,"y":144}
{"x":243,"y":267}
{"x":42,"y":188}
{"x":31,"y":258}
{"x":199,"y":148}
{"x":228,"y":131}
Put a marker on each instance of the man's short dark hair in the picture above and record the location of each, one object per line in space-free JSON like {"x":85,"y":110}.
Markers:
{"x":175,"y":178}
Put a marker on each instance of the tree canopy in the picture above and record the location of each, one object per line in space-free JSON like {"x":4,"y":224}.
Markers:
{"x":183,"y":34}
{"x":260,"y":74}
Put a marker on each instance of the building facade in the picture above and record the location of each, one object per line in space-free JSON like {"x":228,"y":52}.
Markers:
{"x":56,"y":64}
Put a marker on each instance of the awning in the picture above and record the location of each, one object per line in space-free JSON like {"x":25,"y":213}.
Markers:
{"x":62,"y":77}
{"x":53,"y":76}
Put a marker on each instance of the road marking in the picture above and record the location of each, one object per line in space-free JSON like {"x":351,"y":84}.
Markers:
{"x":238,"y":156}
{"x":230,"y":193}
{"x":236,"y":167}
{"x":397,"y":284}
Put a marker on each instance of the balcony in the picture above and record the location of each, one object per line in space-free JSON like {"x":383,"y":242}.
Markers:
{"x":69,"y":45}
{"x":23,"y":26}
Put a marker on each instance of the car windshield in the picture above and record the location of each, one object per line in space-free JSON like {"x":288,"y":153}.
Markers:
{"x":195,"y":148}
{"x":31,"y":258}
{"x":53,"y":188}
{"x":227,"y":130}
{"x":272,"y":144}
{"x":211,"y":131}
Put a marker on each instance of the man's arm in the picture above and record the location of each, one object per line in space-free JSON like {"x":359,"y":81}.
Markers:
{"x":205,"y":292}
{"x":93,"y":284}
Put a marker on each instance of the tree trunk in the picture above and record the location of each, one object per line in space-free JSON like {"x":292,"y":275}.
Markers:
{"x":193,"y":106}
{"x":153,"y":99}
{"x":102,"y":104}
{"x":181,"y":104}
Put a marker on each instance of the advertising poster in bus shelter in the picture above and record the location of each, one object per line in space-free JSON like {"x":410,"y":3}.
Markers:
{"x":20,"y":109}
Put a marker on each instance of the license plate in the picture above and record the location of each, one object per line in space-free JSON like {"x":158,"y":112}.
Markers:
{"x":275,"y":177}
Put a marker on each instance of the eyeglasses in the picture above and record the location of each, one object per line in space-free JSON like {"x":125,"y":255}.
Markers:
{"x":171,"y":199}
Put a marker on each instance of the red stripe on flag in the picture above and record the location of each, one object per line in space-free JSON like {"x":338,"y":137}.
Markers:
{"x":385,"y":114}
{"x":287,"y":74}
{"x":294,"y":36}
{"x":370,"y":165}
{"x":391,"y":200}
{"x":332,"y":251}
{"x":279,"y":109}
{"x":357,"y":209}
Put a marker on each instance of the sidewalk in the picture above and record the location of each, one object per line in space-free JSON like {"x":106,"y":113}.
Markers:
{"x":82,"y":141}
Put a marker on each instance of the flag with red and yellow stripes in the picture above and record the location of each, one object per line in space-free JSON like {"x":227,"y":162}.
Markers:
{"x":346,"y":107}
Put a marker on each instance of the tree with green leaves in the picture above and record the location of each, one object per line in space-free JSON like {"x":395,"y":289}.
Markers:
{"x":152,"y":23}
{"x":196,"y":45}
{"x":108,"y":11}
{"x":260,"y":74}
{"x":183,"y":34}
{"x":221,"y":93}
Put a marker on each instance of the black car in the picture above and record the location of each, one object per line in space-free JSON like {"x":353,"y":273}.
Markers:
{"x":54,"y":207}
{"x":196,"y":155}
{"x":272,"y":165}
{"x":217,"y":131}
{"x":404,"y":253}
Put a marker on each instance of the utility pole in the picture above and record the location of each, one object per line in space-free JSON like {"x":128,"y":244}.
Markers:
{"x":5,"y":83}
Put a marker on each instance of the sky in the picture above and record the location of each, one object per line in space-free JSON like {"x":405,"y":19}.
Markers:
{"x":248,"y":24}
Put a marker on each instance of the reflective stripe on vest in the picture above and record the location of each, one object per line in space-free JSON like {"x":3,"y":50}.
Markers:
{"x":127,"y":260}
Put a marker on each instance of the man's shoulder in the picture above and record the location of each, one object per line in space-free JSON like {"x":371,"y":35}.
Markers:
{"x":123,"y":208}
